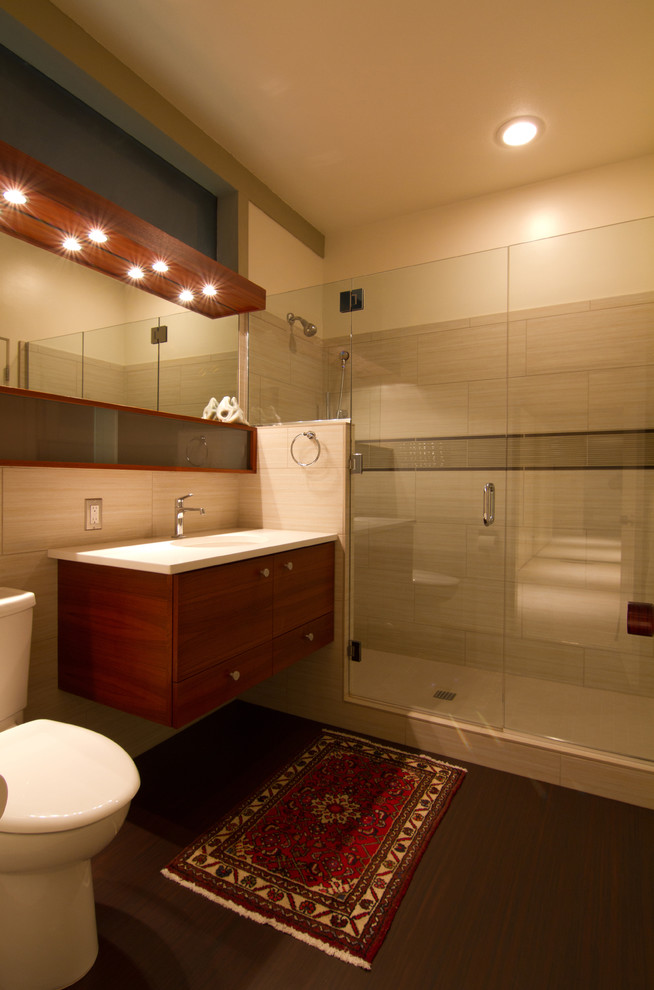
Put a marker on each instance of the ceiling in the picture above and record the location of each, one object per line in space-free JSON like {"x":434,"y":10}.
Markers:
{"x":357,"y":112}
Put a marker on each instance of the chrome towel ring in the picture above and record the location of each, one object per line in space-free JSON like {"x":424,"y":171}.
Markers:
{"x":310,"y":435}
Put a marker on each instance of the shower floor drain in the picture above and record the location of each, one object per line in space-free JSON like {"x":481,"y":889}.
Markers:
{"x":445,"y":695}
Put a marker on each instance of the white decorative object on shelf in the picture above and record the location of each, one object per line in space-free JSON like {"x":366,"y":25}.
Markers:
{"x":211,"y":408}
{"x":227,"y":410}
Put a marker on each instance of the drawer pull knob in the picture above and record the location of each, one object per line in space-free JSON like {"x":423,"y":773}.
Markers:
{"x":309,"y":636}
{"x":265,"y":572}
{"x":235,"y":674}
{"x":289,"y":565}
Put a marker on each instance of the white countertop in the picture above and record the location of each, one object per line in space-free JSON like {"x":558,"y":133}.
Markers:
{"x":189,"y":553}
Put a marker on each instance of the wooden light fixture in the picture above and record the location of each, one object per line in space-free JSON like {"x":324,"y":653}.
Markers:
{"x":44,"y":208}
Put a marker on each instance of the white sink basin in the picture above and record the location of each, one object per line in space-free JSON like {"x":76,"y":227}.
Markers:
{"x":223,"y":540}
{"x":191,"y":552}
{"x":134,"y":551}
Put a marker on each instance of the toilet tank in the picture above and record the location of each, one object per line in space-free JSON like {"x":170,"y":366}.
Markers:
{"x":15,"y":640}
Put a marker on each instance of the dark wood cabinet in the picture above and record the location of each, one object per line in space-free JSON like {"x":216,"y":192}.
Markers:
{"x":171,"y":648}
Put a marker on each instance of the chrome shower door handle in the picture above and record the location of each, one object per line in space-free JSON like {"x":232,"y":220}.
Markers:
{"x":488,"y":512}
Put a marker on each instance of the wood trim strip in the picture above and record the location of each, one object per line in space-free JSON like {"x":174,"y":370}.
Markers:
{"x":58,"y":206}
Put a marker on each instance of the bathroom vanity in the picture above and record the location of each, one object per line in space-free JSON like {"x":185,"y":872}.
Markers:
{"x":170,"y":630}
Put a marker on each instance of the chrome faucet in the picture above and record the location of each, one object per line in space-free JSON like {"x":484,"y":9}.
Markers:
{"x":180,"y":509}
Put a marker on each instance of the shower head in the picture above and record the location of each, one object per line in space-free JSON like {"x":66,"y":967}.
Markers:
{"x":309,"y":328}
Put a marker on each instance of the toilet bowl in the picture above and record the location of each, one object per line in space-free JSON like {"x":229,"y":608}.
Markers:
{"x":64,"y":793}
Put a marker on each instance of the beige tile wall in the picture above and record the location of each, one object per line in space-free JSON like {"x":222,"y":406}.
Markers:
{"x":52,"y":370}
{"x":567,"y":370}
{"x":286,"y":376}
{"x":185,"y":384}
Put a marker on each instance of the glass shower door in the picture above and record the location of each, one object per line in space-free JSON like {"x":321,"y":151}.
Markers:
{"x":581,"y":422}
{"x":429,"y":353}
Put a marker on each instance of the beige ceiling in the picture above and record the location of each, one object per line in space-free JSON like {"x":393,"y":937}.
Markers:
{"x":358,"y":110}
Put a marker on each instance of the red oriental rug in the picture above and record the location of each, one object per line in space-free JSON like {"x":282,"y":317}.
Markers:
{"x":326,"y":849}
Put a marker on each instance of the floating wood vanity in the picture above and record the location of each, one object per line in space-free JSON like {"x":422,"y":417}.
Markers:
{"x":173,"y":641}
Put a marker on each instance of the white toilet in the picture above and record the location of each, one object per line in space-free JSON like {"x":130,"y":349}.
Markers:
{"x":64,"y":794}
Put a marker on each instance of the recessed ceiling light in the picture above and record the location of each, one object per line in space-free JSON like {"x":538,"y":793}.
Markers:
{"x":97,"y":235}
{"x":15,"y":196}
{"x":519,"y":131}
{"x":71,"y":244}
{"x":136,"y":272}
{"x":160,"y":266}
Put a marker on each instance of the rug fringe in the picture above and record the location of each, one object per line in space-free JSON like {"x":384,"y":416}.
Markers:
{"x":387,"y":745}
{"x":263,"y":920}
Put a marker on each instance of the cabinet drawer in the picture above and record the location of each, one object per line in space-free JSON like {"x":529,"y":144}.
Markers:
{"x":304,"y":585}
{"x":302,"y":641}
{"x":221,"y":612}
{"x":205,"y":691}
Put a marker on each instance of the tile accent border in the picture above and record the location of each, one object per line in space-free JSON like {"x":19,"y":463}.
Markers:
{"x":601,"y":449}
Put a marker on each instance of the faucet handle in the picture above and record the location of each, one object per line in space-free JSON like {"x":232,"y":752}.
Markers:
{"x":181,"y":498}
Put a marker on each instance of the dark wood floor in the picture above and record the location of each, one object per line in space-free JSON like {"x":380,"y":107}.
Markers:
{"x":524,"y":886}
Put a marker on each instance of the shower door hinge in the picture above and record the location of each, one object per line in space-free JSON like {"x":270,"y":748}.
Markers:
{"x":356,"y":463}
{"x":351,"y":301}
{"x":158,"y":335}
{"x":354,"y":650}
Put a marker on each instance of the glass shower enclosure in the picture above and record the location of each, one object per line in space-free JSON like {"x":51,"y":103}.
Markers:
{"x":502,"y":405}
{"x":502,"y":528}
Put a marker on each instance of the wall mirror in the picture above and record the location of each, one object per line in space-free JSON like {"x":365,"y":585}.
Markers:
{"x":75,"y":324}
{"x":72,"y":331}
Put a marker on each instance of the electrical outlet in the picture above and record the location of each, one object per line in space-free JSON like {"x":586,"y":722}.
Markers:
{"x":92,"y":513}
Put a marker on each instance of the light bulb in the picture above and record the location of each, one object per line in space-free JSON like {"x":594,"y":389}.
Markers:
{"x":15,"y":196}
{"x":519,"y":131}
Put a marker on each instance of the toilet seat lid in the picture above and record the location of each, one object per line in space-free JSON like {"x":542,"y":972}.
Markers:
{"x":14,"y":600}
{"x":62,"y":776}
